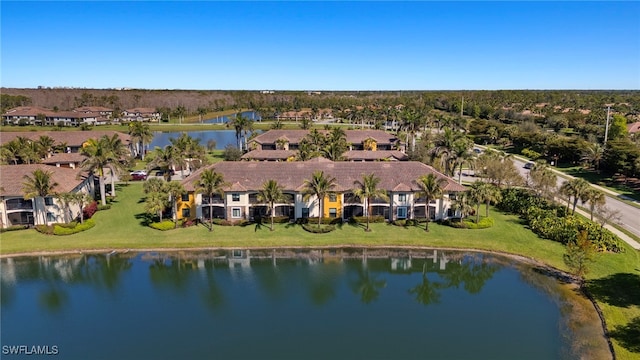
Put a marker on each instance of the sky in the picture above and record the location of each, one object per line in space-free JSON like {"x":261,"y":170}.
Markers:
{"x":419,"y":45}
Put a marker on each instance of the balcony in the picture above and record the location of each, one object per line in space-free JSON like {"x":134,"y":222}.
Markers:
{"x":19,"y":204}
{"x":215,"y":200}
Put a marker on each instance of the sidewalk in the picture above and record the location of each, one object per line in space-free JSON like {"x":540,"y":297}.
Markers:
{"x":634,"y":244}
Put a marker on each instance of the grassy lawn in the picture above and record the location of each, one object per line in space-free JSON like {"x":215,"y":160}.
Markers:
{"x":614,"y":280}
{"x":599,"y":179}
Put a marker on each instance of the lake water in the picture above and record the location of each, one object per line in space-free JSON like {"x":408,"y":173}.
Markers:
{"x":289,"y":304}
{"x":221,"y":137}
{"x":224,"y":119}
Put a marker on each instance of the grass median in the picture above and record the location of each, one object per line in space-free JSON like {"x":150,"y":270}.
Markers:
{"x":613,"y":276}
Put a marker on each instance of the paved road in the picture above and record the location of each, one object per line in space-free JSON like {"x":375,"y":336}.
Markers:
{"x":629,"y":215}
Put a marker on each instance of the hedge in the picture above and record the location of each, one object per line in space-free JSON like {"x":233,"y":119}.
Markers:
{"x":223,"y":222}
{"x":163,"y":225}
{"x":14,"y":228}
{"x":323,"y":229}
{"x":363,"y":219}
{"x":66,"y":230}
{"x":104,"y":207}
{"x":405,"y":222}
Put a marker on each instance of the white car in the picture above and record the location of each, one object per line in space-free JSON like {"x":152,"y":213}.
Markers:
{"x":138,"y":172}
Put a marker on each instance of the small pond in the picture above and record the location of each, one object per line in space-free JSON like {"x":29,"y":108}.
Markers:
{"x":294,"y":304}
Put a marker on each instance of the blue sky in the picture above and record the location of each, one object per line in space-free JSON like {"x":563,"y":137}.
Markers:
{"x":321,"y":45}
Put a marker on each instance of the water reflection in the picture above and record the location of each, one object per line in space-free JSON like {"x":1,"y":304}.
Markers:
{"x":329,"y":295}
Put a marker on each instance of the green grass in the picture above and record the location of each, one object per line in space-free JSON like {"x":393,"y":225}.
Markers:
{"x":614,"y":279}
{"x":599,"y":179}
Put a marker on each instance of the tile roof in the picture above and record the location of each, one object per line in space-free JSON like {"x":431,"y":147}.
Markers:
{"x":374,"y":155}
{"x":291,"y":175}
{"x":633,"y":127}
{"x":269,"y":154}
{"x":72,"y":138}
{"x":92,"y":109}
{"x":64,"y":158}
{"x":12,"y":177}
{"x":353,"y":136}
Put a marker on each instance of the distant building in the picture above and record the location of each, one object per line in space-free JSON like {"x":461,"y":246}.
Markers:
{"x":633,"y":127}
{"x":140,"y":114}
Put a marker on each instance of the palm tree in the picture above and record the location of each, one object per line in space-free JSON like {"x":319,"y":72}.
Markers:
{"x":431,"y":187}
{"x":45,"y":145}
{"x":141,"y":136}
{"x":543,"y":179}
{"x":478,"y":194}
{"x":39,"y":185}
{"x":271,"y":193}
{"x":102,"y":153}
{"x":156,"y":202}
{"x":594,"y":198}
{"x":210,"y":183}
{"x":492,"y":194}
{"x":462,"y":204}
{"x":366,"y":190}
{"x":242,"y":126}
{"x":174,"y":190}
{"x":576,"y":188}
{"x":166,"y":159}
{"x":152,"y":185}
{"x":333,"y":151}
{"x":82,"y":199}
{"x":117,"y":152}
{"x":319,"y":185}
{"x":593,"y":154}
{"x":66,"y":198}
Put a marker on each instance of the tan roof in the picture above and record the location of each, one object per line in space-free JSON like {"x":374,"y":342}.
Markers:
{"x":27,"y":111}
{"x":374,"y":155}
{"x":633,"y":127}
{"x":291,"y":175}
{"x":64,"y":158}
{"x":353,"y":136}
{"x":269,"y":154}
{"x":71,"y":114}
{"x":92,"y":109}
{"x":142,"y":110}
{"x":72,"y":138}
{"x":12,"y":177}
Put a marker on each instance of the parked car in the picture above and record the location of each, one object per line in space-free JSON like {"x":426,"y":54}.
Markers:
{"x":161,"y":173}
{"x":138,"y":172}
{"x":138,"y":176}
{"x":529,"y":165}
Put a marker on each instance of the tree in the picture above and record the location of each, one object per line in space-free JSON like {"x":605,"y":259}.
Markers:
{"x":210,"y":183}
{"x":618,"y":127}
{"x":319,"y":185}
{"x":575,"y":188}
{"x":174,"y":190}
{"x":82,"y":199}
{"x":117,"y":153}
{"x":101,"y":153}
{"x":594,"y":198}
{"x":231,"y":153}
{"x":39,"y":185}
{"x":543,"y":179}
{"x":45,"y":145}
{"x":431,"y":187}
{"x":155,"y":203}
{"x":366,"y":190}
{"x":241,"y":125}
{"x":167,"y":160}
{"x":271,"y":193}
{"x":579,"y":255}
{"x":478,"y":195}
{"x":593,"y":154}
{"x":66,"y":199}
{"x":141,"y":136}
{"x":462,"y":204}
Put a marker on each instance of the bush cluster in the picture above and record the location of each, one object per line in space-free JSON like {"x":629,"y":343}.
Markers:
{"x":314,"y":220}
{"x":405,"y":222}
{"x":104,"y":207}
{"x":551,"y":221}
{"x":313,"y":228}
{"x":164,"y":225}
{"x":89,"y":210}
{"x":66,"y":229}
{"x":363,"y":219}
{"x":223,"y":222}
{"x":14,"y":228}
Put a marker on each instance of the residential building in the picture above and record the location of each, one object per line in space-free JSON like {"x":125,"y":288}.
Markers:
{"x":72,"y":139}
{"x":16,"y":210}
{"x":140,"y":114}
{"x":245,"y":180}
{"x":357,"y":139}
{"x":35,"y":115}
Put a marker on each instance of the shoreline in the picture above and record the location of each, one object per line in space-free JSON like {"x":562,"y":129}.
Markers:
{"x":548,"y":270}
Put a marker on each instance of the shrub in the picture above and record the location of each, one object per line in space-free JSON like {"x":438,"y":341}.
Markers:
{"x":313,"y":228}
{"x":45,"y":229}
{"x":163,"y":226}
{"x":103,"y":207}
{"x":70,"y":225}
{"x":314,"y":220}
{"x":405,"y":222}
{"x":89,"y":210}
{"x":14,"y":228}
{"x":188,"y":223}
{"x":363,"y":219}
{"x":484,"y":223}
{"x":60,"y":230}
{"x":222,"y":222}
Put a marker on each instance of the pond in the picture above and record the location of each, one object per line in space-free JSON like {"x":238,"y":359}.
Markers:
{"x":294,"y":304}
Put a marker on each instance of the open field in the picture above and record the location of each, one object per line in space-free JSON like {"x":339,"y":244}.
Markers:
{"x":614,"y":280}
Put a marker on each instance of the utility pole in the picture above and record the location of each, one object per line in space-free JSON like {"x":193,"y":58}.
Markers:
{"x":462,"y":107}
{"x":606,"y":128}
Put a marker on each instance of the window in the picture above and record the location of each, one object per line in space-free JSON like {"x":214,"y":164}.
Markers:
{"x":48,"y":201}
{"x":236,"y":213}
{"x":186,"y":212}
{"x":402,"y":197}
{"x":452,"y":196}
{"x":185,"y":197}
{"x":51,"y":217}
{"x":333,"y":212}
{"x":235,"y":197}
{"x":402,"y":212}
{"x":305,"y":212}
{"x":332,"y":197}
{"x":432,"y":201}
{"x":450,"y":212}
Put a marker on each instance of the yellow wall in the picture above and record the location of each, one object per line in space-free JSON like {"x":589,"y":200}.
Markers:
{"x":187,"y":204}
{"x":370,"y":144}
{"x":332,"y":204}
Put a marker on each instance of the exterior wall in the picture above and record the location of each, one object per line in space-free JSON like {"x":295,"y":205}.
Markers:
{"x":328,"y":204}
{"x":233,"y":206}
{"x":190,"y":204}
